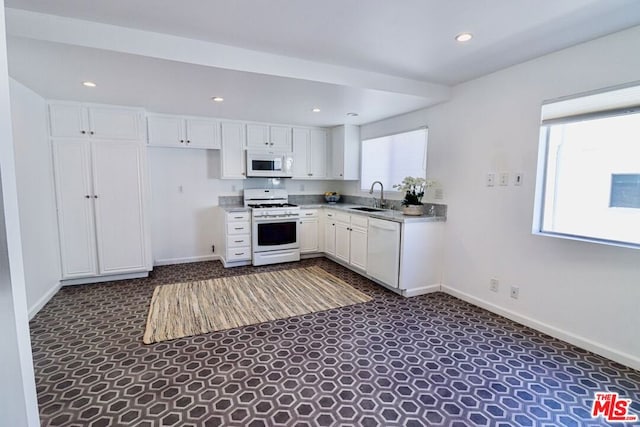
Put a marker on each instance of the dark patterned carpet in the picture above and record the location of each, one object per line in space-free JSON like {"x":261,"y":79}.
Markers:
{"x":425,"y":361}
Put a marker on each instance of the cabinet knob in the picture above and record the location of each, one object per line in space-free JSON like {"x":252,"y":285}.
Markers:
{"x":188,"y":141}
{"x":83,"y":132}
{"x":95,"y":196}
{"x":182,"y":141}
{"x":310,"y":174}
{"x":271,"y":143}
{"x":91,"y":132}
{"x":87,"y":196}
{"x":266,"y":143}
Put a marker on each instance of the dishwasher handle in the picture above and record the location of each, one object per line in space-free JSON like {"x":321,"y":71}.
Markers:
{"x":383,"y":225}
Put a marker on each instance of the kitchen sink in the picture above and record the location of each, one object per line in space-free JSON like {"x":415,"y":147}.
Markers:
{"x":366,"y":209}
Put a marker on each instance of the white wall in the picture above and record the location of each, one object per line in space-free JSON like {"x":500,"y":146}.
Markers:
{"x":36,"y":197}
{"x":18,"y":404}
{"x":583,"y":292}
{"x":184,"y":192}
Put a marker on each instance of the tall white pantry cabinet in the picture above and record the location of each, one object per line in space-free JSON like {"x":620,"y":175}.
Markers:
{"x":101,"y":191}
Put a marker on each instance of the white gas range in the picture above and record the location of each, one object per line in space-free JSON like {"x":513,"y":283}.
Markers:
{"x":275,"y":226}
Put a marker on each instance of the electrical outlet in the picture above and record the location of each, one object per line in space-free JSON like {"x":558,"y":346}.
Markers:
{"x":491,"y":179}
{"x":515,"y":292}
{"x":517,"y":179}
{"x":213,"y":248}
{"x":504,"y":178}
{"x":494,"y":284}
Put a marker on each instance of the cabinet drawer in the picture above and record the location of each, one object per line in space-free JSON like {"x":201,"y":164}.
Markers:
{"x":238,"y":228}
{"x":308,"y":213}
{"x":359,"y":221}
{"x":239,"y":240}
{"x":239,"y":254}
{"x":237,"y":216}
{"x":342,"y":217}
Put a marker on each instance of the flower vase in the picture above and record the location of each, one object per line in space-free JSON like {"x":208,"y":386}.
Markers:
{"x":413,"y":210}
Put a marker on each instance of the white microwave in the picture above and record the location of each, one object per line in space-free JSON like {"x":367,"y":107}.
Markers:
{"x":275,"y":165}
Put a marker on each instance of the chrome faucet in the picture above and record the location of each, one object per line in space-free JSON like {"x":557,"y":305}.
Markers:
{"x":382,"y":202}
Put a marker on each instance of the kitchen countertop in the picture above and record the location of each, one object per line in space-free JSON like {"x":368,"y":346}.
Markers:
{"x":390,"y":215}
{"x":387,"y":214}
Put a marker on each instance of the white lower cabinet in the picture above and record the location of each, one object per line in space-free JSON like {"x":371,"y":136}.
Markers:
{"x":330,"y":233}
{"x":309,"y":231}
{"x":100,"y":192}
{"x":236,"y":243}
{"x":346,"y":238}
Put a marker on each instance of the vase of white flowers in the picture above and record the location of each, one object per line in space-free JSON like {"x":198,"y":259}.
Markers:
{"x":413,"y":189}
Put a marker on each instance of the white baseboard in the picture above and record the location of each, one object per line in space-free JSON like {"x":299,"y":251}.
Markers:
{"x":421,"y":290}
{"x":169,"y":261}
{"x":44,"y":300}
{"x":105,"y":278}
{"x":579,"y":341}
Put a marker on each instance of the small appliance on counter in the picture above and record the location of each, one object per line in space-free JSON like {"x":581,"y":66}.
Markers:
{"x":274,"y":226}
{"x":331,"y":197}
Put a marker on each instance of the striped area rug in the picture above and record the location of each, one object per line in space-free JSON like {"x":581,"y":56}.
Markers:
{"x":193,"y":308}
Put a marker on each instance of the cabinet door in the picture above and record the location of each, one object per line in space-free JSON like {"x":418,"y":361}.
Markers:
{"x":68,"y":120}
{"x":342,"y":241}
{"x":280,"y":138}
{"x":118,"y":171}
{"x":301,"y":139}
{"x":330,"y":237}
{"x":115,"y":123}
{"x":74,"y":198}
{"x":317,"y":154}
{"x":309,"y":235}
{"x":203,"y":133}
{"x":165,"y":131}
{"x":258,"y":137}
{"x":358,"y":247}
{"x":337,"y":154}
{"x":232,"y":153}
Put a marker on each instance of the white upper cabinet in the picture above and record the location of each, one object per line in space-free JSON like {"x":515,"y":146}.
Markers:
{"x":232,"y":155}
{"x":309,"y":153}
{"x":271,"y":138}
{"x":175,"y":131}
{"x":73,"y":120}
{"x":345,"y":152}
{"x":202,"y":133}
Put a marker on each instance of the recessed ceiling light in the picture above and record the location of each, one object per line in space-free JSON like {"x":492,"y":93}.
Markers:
{"x":217,"y":98}
{"x":89,"y":84}
{"x":464,"y":37}
{"x":316,"y":110}
{"x":352,"y":114}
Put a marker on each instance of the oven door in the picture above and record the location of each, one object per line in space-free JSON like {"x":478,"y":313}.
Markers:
{"x":275,"y":234}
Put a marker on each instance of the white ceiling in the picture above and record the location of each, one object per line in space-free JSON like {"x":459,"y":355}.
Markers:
{"x":408,"y":43}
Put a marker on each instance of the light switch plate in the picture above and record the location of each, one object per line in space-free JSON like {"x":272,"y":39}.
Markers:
{"x":517,"y":178}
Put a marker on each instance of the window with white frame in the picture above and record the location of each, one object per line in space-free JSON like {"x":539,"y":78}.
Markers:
{"x":589,"y":168}
{"x":389,"y":159}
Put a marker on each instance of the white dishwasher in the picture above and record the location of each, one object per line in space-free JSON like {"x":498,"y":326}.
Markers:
{"x":383,"y":251}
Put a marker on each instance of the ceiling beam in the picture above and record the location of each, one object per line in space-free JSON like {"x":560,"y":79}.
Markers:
{"x":52,"y":28}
